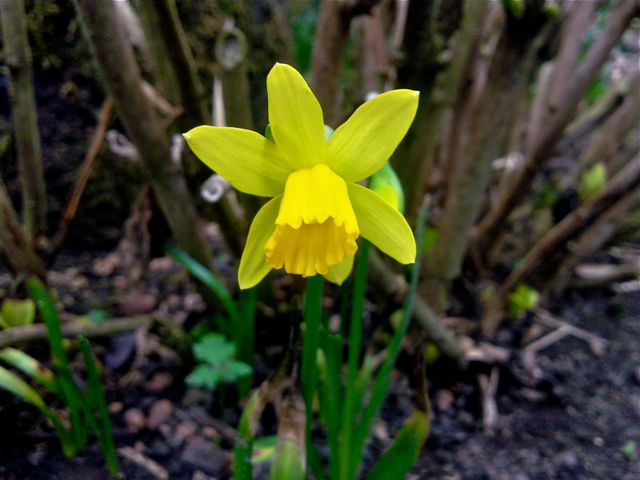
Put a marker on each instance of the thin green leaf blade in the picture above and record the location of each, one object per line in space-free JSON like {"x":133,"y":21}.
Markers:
{"x":398,"y":459}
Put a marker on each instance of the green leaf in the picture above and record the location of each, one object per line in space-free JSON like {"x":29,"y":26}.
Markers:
{"x":95,"y":399}
{"x":14,"y":384}
{"x":234,"y":369}
{"x":429,"y":239}
{"x":289,"y":463}
{"x":263,"y":449}
{"x":31,"y":367}
{"x":207,"y":277}
{"x":398,"y":459}
{"x":592,"y":182}
{"x":68,"y":387}
{"x":204,"y":376}
{"x":214,"y":349}
{"x":521,"y":300}
{"x":17,"y":313}
{"x":385,"y":182}
{"x":268,"y":134}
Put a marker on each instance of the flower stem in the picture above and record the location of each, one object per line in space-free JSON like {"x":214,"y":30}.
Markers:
{"x":355,"y":343}
{"x":310,"y":342}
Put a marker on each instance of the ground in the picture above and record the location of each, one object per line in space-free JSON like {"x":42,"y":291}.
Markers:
{"x":577,"y":417}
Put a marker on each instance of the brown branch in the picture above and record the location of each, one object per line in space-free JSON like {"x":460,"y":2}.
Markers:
{"x":606,"y":141}
{"x":574,"y":28}
{"x":17,"y":57}
{"x":590,"y":242}
{"x":489,"y":227}
{"x":86,"y":169}
{"x":332,"y":33}
{"x":510,"y":71}
{"x":162,"y":16}
{"x":393,"y":285}
{"x":556,"y":239}
{"x":115,"y":58}
{"x":38,"y":331}
{"x":14,"y":246}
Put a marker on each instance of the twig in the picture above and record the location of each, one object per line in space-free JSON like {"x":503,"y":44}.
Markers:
{"x":14,"y":245}
{"x":104,"y":118}
{"x":494,"y":220}
{"x":38,"y":331}
{"x":117,"y":63}
{"x":557,"y":238}
{"x":332,"y":32}
{"x":19,"y":69}
{"x":547,"y":340}
{"x":391,"y":284}
{"x":155,"y":469}
{"x":596,"y":343}
{"x":489,"y":387}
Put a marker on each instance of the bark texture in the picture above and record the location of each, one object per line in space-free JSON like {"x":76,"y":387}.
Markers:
{"x":332,"y":33}
{"x":18,"y":61}
{"x":556,"y":121}
{"x":122,"y":76}
{"x":509,"y":73}
{"x":557,"y":239}
{"x":14,"y":245}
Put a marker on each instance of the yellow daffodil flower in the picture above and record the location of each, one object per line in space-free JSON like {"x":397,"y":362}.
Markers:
{"x":318,"y":211}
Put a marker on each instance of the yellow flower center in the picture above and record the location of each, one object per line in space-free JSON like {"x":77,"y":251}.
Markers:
{"x":316,"y":227}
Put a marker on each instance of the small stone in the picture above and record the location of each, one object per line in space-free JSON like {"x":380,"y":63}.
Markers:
{"x":37,"y":456}
{"x":160,"y":381}
{"x":137,"y":303}
{"x":115,"y":408}
{"x":134,"y":419}
{"x":381,"y":431}
{"x":201,"y":454}
{"x":444,"y":400}
{"x":568,"y":459}
{"x":185,"y":430}
{"x":598,"y":441}
{"x":194,"y":397}
{"x":198,"y":475}
{"x":160,"y":413}
{"x":210,"y":433}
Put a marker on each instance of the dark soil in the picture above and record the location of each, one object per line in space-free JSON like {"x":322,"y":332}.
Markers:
{"x":577,"y":419}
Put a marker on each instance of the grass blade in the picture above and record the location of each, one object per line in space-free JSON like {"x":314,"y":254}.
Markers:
{"x":68,"y":387}
{"x":398,"y":459}
{"x":96,"y":399}
{"x":383,"y":377}
{"x":14,"y":384}
{"x":207,"y":277}
{"x":31,"y":367}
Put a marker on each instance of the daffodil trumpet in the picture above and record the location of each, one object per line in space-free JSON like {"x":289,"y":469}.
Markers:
{"x":318,"y":210}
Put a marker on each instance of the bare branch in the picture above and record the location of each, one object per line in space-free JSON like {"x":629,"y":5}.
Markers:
{"x":25,"y":117}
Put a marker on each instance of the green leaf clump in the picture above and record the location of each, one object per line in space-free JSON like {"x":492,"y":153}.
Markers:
{"x":218,"y":364}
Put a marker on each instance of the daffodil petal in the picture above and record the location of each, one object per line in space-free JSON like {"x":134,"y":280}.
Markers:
{"x":253,"y":264}
{"x":250,"y":162}
{"x":361,"y":145}
{"x":295,"y":116}
{"x":339,"y":272}
{"x":382,"y":225}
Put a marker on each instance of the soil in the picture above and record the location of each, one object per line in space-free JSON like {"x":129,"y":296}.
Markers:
{"x":577,"y":417}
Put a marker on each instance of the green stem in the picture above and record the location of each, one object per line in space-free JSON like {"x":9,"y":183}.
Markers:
{"x":310,"y":343}
{"x":355,"y":343}
{"x":383,"y":377}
